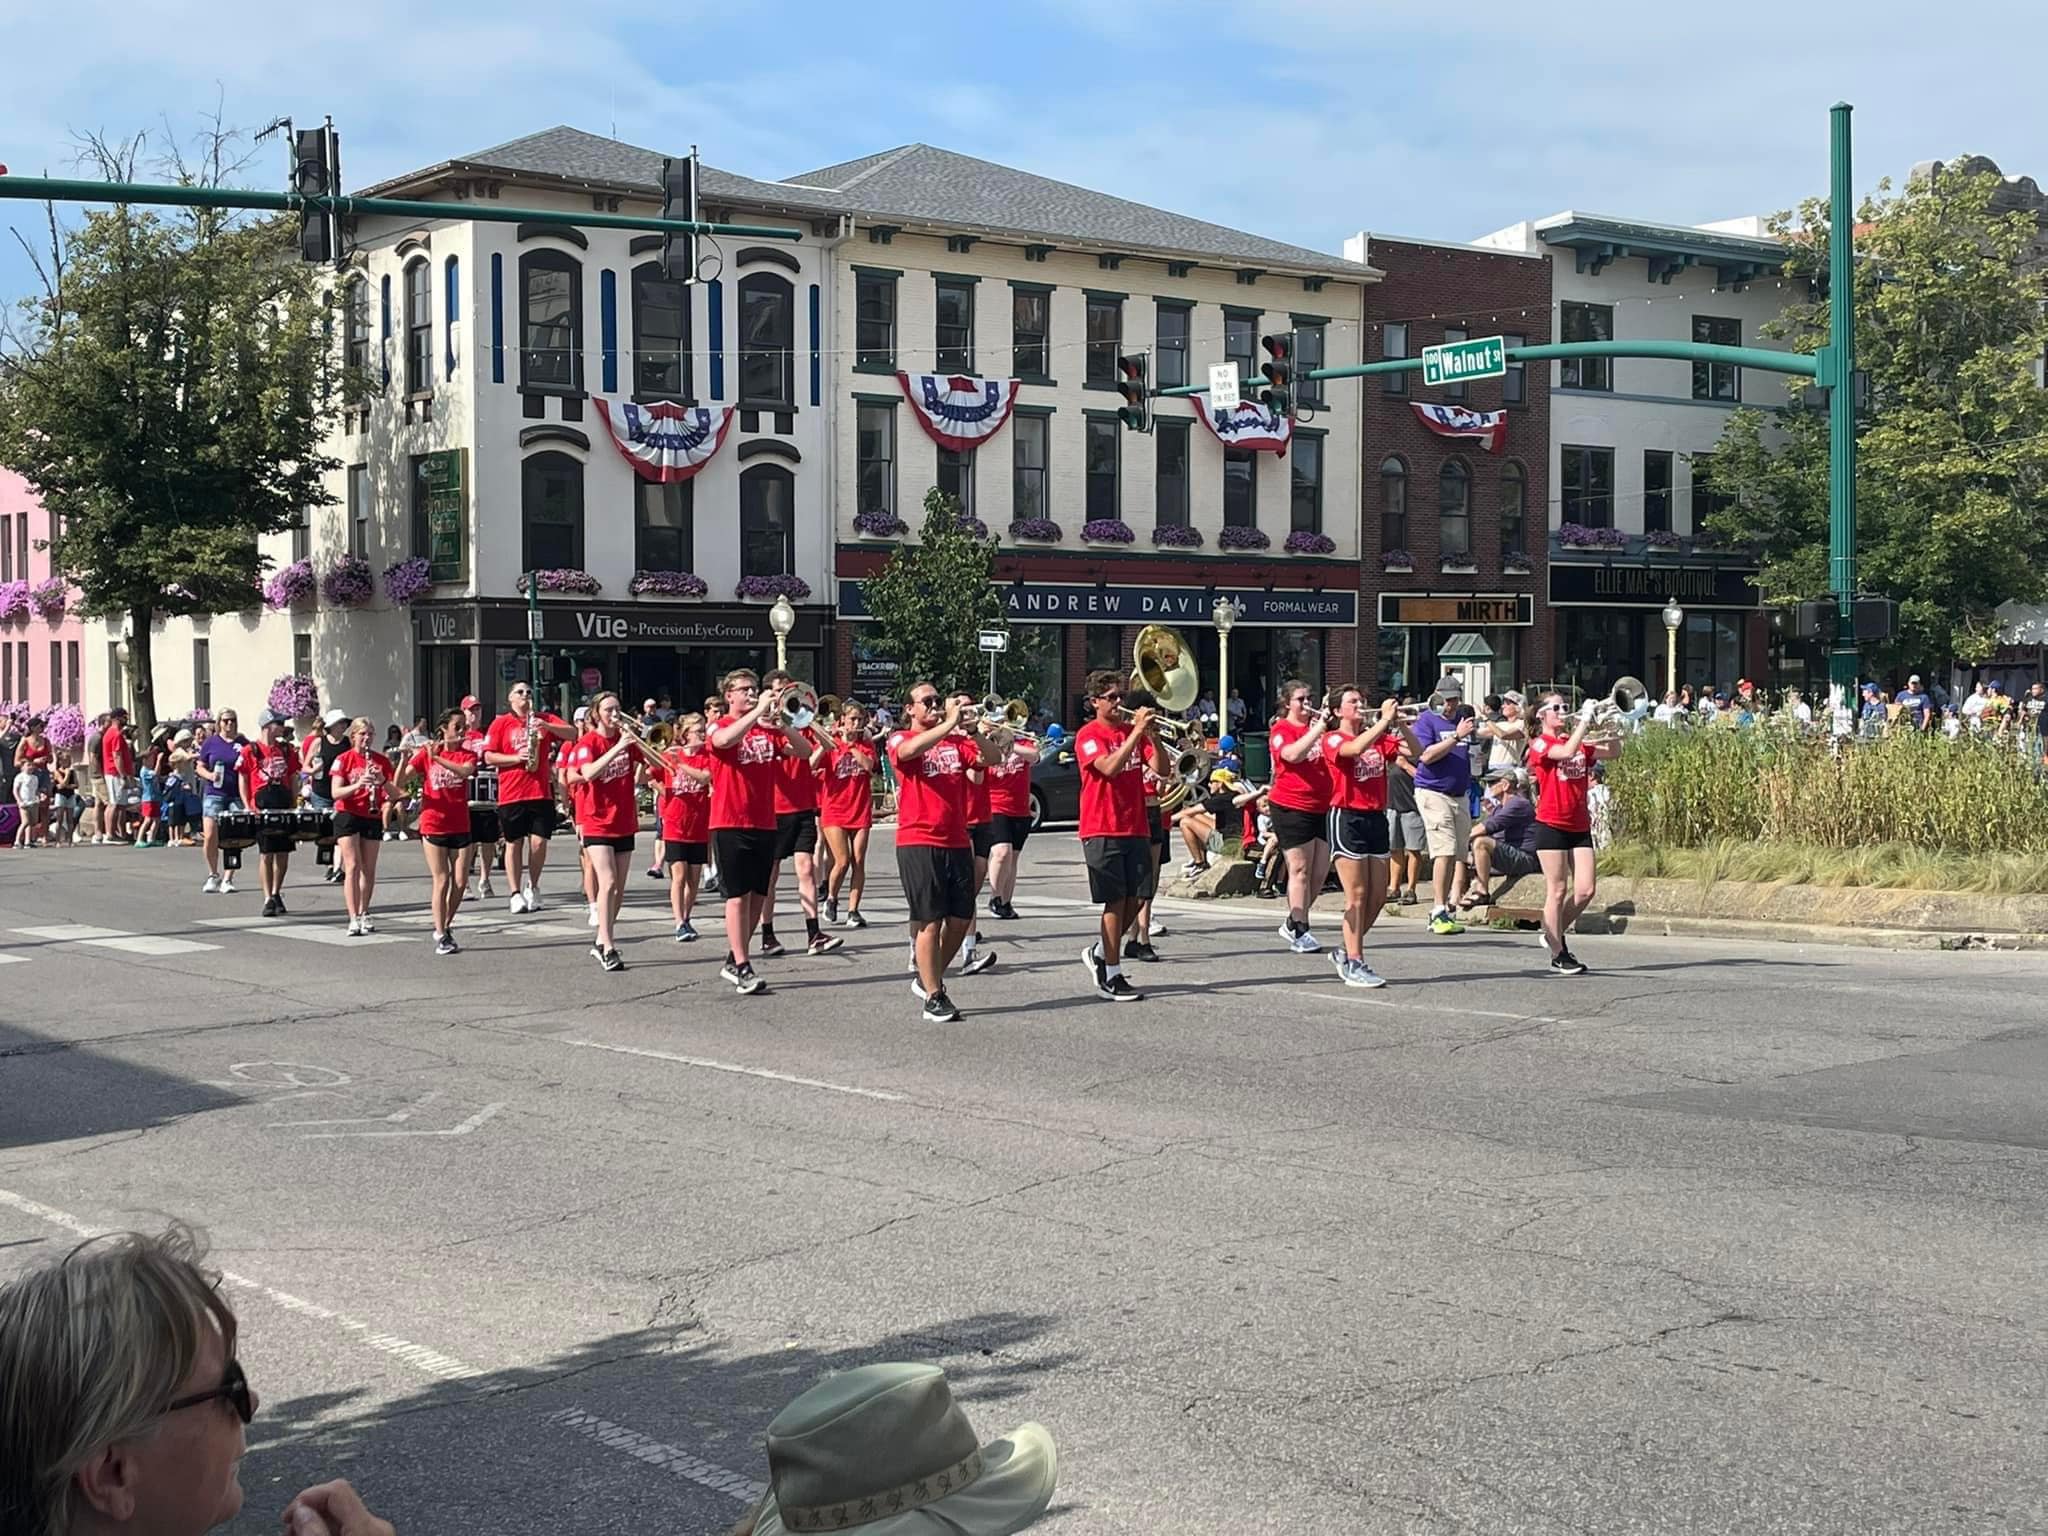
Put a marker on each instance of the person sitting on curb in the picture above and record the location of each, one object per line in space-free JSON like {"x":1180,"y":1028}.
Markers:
{"x":1506,"y":845}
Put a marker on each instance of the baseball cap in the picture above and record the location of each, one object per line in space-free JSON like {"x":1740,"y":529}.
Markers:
{"x":1226,"y":743}
{"x":267,"y":717}
{"x":334,"y":717}
{"x":469,"y":701}
{"x":1742,"y":683}
{"x":1500,"y":771}
{"x":1870,"y":688}
{"x":1914,"y":678}
{"x":1994,"y":687}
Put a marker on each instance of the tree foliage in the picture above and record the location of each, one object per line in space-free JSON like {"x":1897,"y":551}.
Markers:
{"x":166,"y":395}
{"x":1952,"y":456}
{"x":934,"y":597}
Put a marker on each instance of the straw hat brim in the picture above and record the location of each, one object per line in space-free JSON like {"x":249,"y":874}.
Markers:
{"x":1017,"y":1476}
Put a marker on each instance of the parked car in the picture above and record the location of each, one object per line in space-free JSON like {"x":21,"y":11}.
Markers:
{"x":1055,"y":789}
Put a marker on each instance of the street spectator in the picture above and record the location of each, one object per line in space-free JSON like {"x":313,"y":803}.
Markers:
{"x":1227,"y":755}
{"x":1407,"y":838}
{"x":1505,"y":844}
{"x":1235,"y":713}
{"x":155,"y":769}
{"x":1797,"y":708}
{"x":117,"y":770}
{"x":63,"y":799}
{"x":1951,"y":723}
{"x":28,"y":806}
{"x":1871,"y":716}
{"x":1506,"y":731}
{"x":1672,"y":711}
{"x":1973,"y":707}
{"x":1916,"y":709}
{"x":33,"y":751}
{"x":2034,"y":707}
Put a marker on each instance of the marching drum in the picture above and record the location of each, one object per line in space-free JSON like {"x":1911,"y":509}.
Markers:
{"x":237,"y":831}
{"x":483,"y":822}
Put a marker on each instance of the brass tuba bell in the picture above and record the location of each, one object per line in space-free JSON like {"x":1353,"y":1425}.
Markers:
{"x":1164,"y":664}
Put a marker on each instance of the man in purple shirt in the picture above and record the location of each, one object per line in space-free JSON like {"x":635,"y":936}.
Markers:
{"x":1506,"y":844}
{"x":1443,"y":785}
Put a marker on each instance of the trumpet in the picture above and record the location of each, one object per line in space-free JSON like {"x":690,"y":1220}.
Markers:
{"x":1179,"y":734}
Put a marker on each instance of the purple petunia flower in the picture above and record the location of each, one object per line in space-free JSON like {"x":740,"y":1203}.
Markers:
{"x":668,"y":584}
{"x":793,"y":587}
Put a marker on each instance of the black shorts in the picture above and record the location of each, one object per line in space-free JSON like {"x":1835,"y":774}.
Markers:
{"x":454,"y":842}
{"x":348,"y":824}
{"x":1297,"y":829}
{"x":1118,"y":868}
{"x":1011,"y":829}
{"x":618,"y":844}
{"x":527,"y":818}
{"x":938,"y":883}
{"x":484,"y":824}
{"x":981,"y":837}
{"x":1548,"y":836}
{"x":746,"y":859}
{"x":795,"y":832}
{"x":1357,"y":834}
{"x":683,"y":853}
{"x":1155,"y":825}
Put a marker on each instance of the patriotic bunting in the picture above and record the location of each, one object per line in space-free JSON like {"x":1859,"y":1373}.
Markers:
{"x":959,"y":412}
{"x":1487,"y":427}
{"x":664,"y":442}
{"x":1250,"y":425}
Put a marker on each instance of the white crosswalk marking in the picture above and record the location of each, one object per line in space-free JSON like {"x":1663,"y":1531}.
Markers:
{"x":305,"y":932}
{"x":13,"y":959}
{"x":152,"y":944}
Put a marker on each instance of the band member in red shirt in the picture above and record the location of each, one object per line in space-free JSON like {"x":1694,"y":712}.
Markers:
{"x":607,"y":816}
{"x":745,"y":752}
{"x":479,"y":858}
{"x":526,"y":802}
{"x":1561,"y":761}
{"x":796,"y":832}
{"x":268,"y":768}
{"x":846,"y":811}
{"x":1009,"y":803}
{"x":1114,"y":839}
{"x":980,"y":835}
{"x":685,"y":820}
{"x":1358,"y":755}
{"x":443,"y":769}
{"x":931,"y":756}
{"x":362,"y":783}
{"x":1300,"y":799}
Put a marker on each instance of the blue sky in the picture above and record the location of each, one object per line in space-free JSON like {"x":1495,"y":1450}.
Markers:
{"x":1304,"y":120}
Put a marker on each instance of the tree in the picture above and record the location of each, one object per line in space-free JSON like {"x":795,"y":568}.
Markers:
{"x":1952,"y":456}
{"x":166,"y":394}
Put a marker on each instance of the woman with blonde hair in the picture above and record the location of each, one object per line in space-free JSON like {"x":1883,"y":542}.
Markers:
{"x":362,"y":789}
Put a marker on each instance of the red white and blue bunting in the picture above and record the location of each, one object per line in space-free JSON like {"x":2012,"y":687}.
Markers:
{"x":1250,"y":426}
{"x":959,"y":412}
{"x":1487,"y":427}
{"x":665,"y":442}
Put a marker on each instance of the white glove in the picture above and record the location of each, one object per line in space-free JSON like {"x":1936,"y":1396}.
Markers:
{"x":1588,"y":710}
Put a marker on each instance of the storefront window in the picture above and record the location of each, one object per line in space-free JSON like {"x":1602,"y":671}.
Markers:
{"x":1596,"y":646}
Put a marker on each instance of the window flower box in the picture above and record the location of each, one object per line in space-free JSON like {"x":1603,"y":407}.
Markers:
{"x":879,"y":525}
{"x":679,"y":584}
{"x":1036,"y":530}
{"x":563,"y":582}
{"x":1305,"y":542}
{"x":348,"y":583}
{"x":765,"y":589}
{"x":409,"y":580}
{"x":1516,"y":565}
{"x":1107,"y":530}
{"x":50,"y":598}
{"x":973,"y":527}
{"x":290,"y":586}
{"x":1664,"y":540}
{"x":1177,"y":536}
{"x":295,"y":697}
{"x":1457,"y":565}
{"x":1579,"y":536}
{"x":1236,"y":537}
{"x":1397,"y":561}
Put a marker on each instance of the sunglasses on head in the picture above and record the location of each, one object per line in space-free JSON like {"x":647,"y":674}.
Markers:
{"x":234,"y":1386}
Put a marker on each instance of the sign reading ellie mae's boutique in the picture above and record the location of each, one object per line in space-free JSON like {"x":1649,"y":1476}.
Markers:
{"x":1044,"y":602}
{"x":1652,"y":586}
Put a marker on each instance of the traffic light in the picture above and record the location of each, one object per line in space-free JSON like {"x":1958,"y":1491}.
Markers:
{"x":316,"y":172}
{"x":679,"y":201}
{"x":1278,"y":368}
{"x":1874,"y":618}
{"x":1815,"y":621}
{"x":1132,"y":383}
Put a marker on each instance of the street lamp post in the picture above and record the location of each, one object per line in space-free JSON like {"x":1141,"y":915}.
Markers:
{"x":1223,"y":615}
{"x":782,"y":619}
{"x":1674,"y":620}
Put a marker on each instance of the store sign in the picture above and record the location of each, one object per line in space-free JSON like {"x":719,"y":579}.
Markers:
{"x":875,"y":678}
{"x":444,"y":626}
{"x":1043,"y":602}
{"x":1482,"y":610}
{"x":579,"y":624}
{"x":1652,"y":586}
{"x":444,"y":484}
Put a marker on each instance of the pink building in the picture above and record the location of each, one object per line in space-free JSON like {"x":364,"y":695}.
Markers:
{"x":42,"y":642}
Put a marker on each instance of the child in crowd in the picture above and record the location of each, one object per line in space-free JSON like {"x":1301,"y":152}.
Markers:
{"x":28,"y":800}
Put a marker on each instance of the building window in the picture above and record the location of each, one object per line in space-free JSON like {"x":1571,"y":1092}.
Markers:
{"x":551,"y":508}
{"x":302,"y":536}
{"x":1454,"y":511}
{"x":767,"y":521}
{"x":874,"y":324}
{"x":663,"y":514}
{"x":1393,"y":344}
{"x":1103,"y":450}
{"x":1586,"y":322}
{"x":1716,"y":381}
{"x":7,"y":552}
{"x":1393,"y":504}
{"x":71,"y":671}
{"x":956,"y":478}
{"x":355,"y":339}
{"x":1105,"y":337}
{"x":419,"y":328}
{"x":1305,"y":485}
{"x":1170,"y":347}
{"x":1241,"y":344}
{"x":1240,"y":488}
{"x":1030,"y":333}
{"x":1706,"y":500}
{"x":767,"y":341}
{"x":1656,"y":491}
{"x":1460,"y":390}
{"x":1514,"y":511}
{"x":1308,"y":356}
{"x":551,"y":321}
{"x":875,"y":449}
{"x":953,"y":326}
{"x":1170,"y":480}
{"x":359,"y":510}
{"x":1514,"y":389}
{"x":117,"y":676}
{"x":1588,"y":482}
{"x":661,"y":335}
{"x":56,"y":672}
{"x":1028,"y":467}
{"x":302,"y":655}
{"x":202,"y":674}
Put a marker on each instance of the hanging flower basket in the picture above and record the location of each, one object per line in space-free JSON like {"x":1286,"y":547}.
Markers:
{"x":14,"y":718}
{"x":1235,"y":537}
{"x":765,"y":589}
{"x":348,"y":583}
{"x":13,"y":603}
{"x":409,"y":580}
{"x":1579,"y":536}
{"x":65,"y":727}
{"x":1305,"y":542}
{"x":50,"y":598}
{"x":879,"y":525}
{"x":667,"y":584}
{"x":1177,"y":536}
{"x":581,"y":583}
{"x":1037,"y":530}
{"x":974,"y":526}
{"x":295,"y":697}
{"x":1107,"y":530}
{"x":290,"y":586}
{"x":1397,"y":560}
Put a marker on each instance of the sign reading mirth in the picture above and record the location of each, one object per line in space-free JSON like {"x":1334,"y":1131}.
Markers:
{"x":1652,"y":586}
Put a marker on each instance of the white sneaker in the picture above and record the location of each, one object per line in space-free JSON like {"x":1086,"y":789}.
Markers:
{"x":212,"y":886}
{"x":593,"y":915}
{"x":485,"y":890}
{"x":1304,"y":943}
{"x":532,"y":898}
{"x":227,"y":885}
{"x":517,"y":904}
{"x":355,"y":927}
{"x":1157,"y":931}
{"x":1359,"y":974}
{"x":368,"y":926}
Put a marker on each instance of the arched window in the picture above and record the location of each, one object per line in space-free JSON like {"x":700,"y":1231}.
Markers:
{"x":419,"y":327}
{"x":1454,"y":511}
{"x":1393,"y":502}
{"x":767,"y":341}
{"x":661,"y":335}
{"x":1514,"y":500}
{"x":550,"y":321}
{"x":767,"y":520}
{"x":551,"y":513}
{"x":355,"y":337}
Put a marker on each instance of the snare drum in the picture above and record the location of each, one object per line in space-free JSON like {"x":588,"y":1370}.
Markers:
{"x":237,"y":829}
{"x":483,"y":787}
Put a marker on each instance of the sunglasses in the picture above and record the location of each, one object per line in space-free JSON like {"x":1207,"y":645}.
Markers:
{"x":234,"y":1386}
{"x":929,"y":701}
{"x":1113,"y":695}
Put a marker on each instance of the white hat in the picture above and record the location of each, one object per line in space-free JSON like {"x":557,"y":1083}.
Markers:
{"x":183,"y":735}
{"x":334,"y":717}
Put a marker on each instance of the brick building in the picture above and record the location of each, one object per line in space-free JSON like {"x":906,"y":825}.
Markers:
{"x":1471,"y":522}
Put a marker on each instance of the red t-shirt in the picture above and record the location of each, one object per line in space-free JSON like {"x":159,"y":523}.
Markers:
{"x":607,"y":808}
{"x":1303,"y":786}
{"x":1110,"y":807}
{"x":849,"y":798}
{"x":931,"y":791}
{"x":796,"y":784}
{"x":508,"y":734}
{"x":1562,"y":785}
{"x":743,"y":777}
{"x":116,"y":756}
{"x":262,"y":767}
{"x":368,"y":801}
{"x":977,"y":794}
{"x":1009,"y":787}
{"x":1360,"y":783}
{"x":444,"y":794}
{"x":686,"y":811}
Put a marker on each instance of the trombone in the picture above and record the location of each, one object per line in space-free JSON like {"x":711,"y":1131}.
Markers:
{"x":655,"y":751}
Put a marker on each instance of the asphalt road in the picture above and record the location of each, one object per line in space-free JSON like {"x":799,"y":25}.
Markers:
{"x":1717,"y":1238}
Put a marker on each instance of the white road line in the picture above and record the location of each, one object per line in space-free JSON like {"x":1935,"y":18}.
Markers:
{"x":463,"y":1129}
{"x":307,"y":933}
{"x":657,"y":1453}
{"x":154,"y":944}
{"x":1426,"y":1008}
{"x":727,"y":1066}
{"x":13,"y":959}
